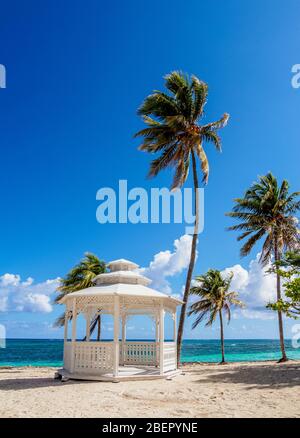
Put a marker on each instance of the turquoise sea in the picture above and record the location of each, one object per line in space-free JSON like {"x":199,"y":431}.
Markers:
{"x":49,"y":352}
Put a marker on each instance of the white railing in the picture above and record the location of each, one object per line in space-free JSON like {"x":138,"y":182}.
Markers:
{"x":93,"y":357}
{"x":98,"y":357}
{"x":169,"y":356}
{"x":139,"y":353}
{"x":68,"y":356}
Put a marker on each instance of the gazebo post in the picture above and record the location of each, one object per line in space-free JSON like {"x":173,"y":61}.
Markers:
{"x":174,"y":327}
{"x":175,"y":333}
{"x":116,"y":334}
{"x":66,"y":326}
{"x":74,"y":321}
{"x":157,"y":338}
{"x":87,"y":326}
{"x":123,"y":337}
{"x":161,"y":338}
{"x":157,"y":328}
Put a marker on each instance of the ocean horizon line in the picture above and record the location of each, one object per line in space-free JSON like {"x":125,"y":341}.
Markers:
{"x":152,"y":339}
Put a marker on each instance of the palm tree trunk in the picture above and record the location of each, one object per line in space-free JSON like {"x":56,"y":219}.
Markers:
{"x":192,"y":262}
{"x":99,"y":328}
{"x":222,"y":337}
{"x":280,"y":322}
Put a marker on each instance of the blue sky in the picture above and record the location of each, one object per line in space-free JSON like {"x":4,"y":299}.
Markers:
{"x":76,"y":73}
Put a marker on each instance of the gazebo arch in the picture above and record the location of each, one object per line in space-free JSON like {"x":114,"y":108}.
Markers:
{"x":122,"y":292}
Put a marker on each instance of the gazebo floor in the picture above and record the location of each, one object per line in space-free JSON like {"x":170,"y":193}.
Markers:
{"x":126,"y":372}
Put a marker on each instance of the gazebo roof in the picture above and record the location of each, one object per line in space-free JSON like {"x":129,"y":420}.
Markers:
{"x":125,"y":282}
{"x":120,"y":289}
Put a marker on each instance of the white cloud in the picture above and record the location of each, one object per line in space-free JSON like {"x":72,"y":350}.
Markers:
{"x":25,"y":296}
{"x":3,"y":303}
{"x":166,"y":264}
{"x":262,"y":314}
{"x":256,"y":287}
{"x":240,"y":278}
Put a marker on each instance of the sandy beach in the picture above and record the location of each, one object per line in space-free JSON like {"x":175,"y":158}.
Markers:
{"x":262,"y":389}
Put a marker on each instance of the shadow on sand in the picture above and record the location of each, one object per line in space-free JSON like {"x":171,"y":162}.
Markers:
{"x":16,"y":384}
{"x":255,"y":376}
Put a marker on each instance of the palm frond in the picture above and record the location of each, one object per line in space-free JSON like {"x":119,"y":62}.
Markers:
{"x":221,"y":123}
{"x":267,"y":210}
{"x":176,"y":81}
{"x":79,"y":277}
{"x":212,"y":290}
{"x":165,"y":160}
{"x":172,"y":122}
{"x":200,"y":90}
{"x":203,"y":162}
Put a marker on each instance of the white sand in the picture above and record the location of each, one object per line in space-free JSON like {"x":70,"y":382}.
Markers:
{"x":262,"y":389}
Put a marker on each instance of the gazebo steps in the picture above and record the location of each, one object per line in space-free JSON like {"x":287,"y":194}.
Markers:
{"x":126,"y":373}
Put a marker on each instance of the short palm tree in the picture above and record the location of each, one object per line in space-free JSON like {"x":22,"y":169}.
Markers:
{"x":80,"y":277}
{"x":215,"y":298}
{"x":267,"y":211}
{"x":174,"y":132}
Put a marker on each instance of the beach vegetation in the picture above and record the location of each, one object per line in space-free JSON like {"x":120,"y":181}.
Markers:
{"x":267,"y":211}
{"x":289,"y":270}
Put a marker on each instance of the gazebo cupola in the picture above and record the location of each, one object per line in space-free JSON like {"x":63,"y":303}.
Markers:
{"x":121,"y":292}
{"x":121,"y":271}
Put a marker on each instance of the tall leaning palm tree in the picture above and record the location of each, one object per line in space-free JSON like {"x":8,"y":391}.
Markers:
{"x":81,"y":277}
{"x":174,"y":132}
{"x":215,"y":298}
{"x":267,"y":211}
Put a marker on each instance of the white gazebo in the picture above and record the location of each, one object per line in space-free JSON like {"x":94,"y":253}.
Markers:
{"x":122,"y":292}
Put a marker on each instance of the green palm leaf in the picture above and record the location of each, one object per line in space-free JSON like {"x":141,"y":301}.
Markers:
{"x":172,"y":121}
{"x":79,"y":277}
{"x":214,"y":298}
{"x":267,"y":211}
